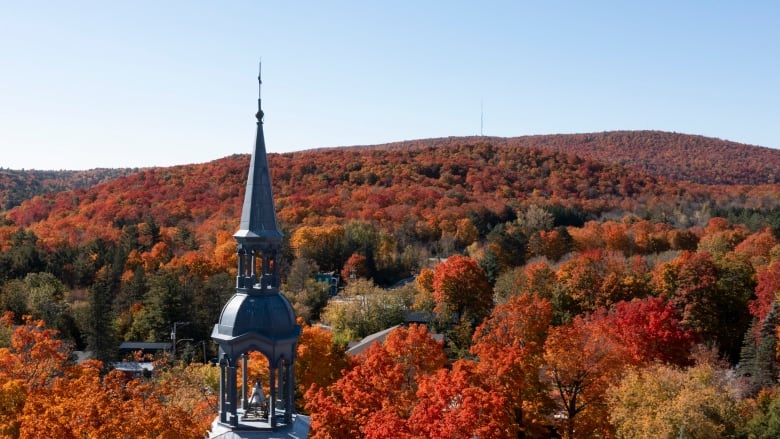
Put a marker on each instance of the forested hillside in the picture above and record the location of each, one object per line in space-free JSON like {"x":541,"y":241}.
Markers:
{"x":567,"y":288}
{"x":19,"y":185}
{"x":682,"y":157}
{"x":415,"y":191}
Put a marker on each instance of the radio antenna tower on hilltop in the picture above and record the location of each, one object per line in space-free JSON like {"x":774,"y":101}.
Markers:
{"x":481,"y":117}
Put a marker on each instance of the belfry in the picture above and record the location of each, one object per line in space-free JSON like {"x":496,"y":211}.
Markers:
{"x":257,"y":318}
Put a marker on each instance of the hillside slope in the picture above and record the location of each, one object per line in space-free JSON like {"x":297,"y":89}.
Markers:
{"x":423,"y":190}
{"x":681,"y":157}
{"x":17,"y":185}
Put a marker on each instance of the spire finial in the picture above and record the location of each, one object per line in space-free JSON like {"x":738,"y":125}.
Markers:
{"x":259,"y":114}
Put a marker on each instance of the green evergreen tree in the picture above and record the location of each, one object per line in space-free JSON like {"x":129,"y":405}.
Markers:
{"x":765,"y":369}
{"x":167,"y":300}
{"x":757,"y":357}
{"x":490,"y":265}
{"x":101,"y":334}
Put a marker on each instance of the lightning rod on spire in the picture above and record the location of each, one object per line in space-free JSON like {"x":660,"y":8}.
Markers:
{"x":259,"y":114}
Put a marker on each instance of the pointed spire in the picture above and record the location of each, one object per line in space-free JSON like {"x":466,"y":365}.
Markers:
{"x":258,"y":216}
{"x":259,"y":114}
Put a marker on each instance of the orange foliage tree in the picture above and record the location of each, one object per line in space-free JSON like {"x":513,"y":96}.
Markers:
{"x":453,"y":404}
{"x":86,"y":405}
{"x":319,"y":361}
{"x":381,"y":384}
{"x":582,"y":359}
{"x":460,"y":287}
{"x":42,"y":395}
{"x":510,"y":348}
{"x":29,"y":365}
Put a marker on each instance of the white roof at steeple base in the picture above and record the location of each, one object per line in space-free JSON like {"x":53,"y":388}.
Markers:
{"x":299,"y":429}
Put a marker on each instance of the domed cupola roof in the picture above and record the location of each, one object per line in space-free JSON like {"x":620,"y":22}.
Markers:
{"x":266,"y":315}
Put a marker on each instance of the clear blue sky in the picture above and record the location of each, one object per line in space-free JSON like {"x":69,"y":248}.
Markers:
{"x":87,"y":84}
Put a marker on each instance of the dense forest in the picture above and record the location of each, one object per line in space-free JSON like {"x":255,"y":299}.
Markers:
{"x":571,"y":277}
{"x":19,"y":185}
{"x":676,"y":156}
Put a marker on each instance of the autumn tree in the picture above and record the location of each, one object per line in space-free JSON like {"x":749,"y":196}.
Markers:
{"x":582,"y":359}
{"x":319,"y":361}
{"x":34,"y":358}
{"x":509,"y":346}
{"x":109,"y":407}
{"x":355,"y":267}
{"x":424,"y":300}
{"x":552,"y":244}
{"x":767,"y":290}
{"x":452,"y":404}
{"x":323,"y":244}
{"x":582,"y":277}
{"x":757,"y":247}
{"x":463,"y":296}
{"x":383,"y":380}
{"x":649,"y":330}
{"x":42,"y":395}
{"x":663,"y":401}
{"x":35,"y":355}
{"x":711,"y":300}
{"x":364,"y":308}
{"x":461,"y":288}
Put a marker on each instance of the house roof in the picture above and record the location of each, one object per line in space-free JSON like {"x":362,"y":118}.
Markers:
{"x":146,"y":346}
{"x":366,"y":342}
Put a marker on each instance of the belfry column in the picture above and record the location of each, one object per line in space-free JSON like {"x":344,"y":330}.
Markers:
{"x":244,"y":398}
{"x":290,"y":400}
{"x":272,"y":400}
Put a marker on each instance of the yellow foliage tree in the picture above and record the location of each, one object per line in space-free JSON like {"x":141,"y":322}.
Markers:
{"x":663,"y":401}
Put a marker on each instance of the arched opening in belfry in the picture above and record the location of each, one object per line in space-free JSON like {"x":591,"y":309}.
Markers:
{"x":253,"y":389}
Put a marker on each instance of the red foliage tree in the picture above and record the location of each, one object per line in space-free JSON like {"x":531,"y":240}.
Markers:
{"x":355,"y":267}
{"x":767,"y":291}
{"x":650,"y":330}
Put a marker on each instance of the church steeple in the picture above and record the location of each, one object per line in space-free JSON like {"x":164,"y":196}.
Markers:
{"x":257,"y":318}
{"x":258,"y":234}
